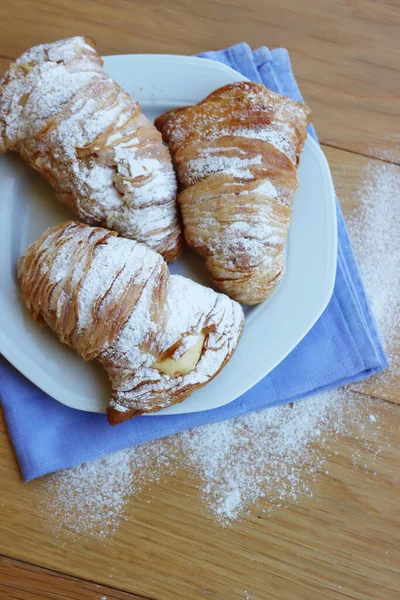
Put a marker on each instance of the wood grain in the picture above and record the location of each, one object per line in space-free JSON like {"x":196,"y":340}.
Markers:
{"x":341,"y":543}
{"x":345,"y":53}
{"x":4,"y":62}
{"x":22,"y":581}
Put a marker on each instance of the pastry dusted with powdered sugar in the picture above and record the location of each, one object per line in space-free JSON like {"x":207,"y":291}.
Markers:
{"x":236,"y":154}
{"x":158,"y":336}
{"x":70,"y":121}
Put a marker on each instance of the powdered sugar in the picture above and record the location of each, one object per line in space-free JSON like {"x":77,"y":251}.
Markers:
{"x":142,"y":168}
{"x":57,"y":87}
{"x":246,"y":240}
{"x":90,"y":499}
{"x":280,"y":137}
{"x":271,"y":456}
{"x":264,"y":188}
{"x":241,"y":110}
{"x":209,"y":163}
{"x":60,"y":267}
{"x":152,"y":184}
{"x":101,"y":276}
{"x":62,"y":50}
{"x":375,"y":229}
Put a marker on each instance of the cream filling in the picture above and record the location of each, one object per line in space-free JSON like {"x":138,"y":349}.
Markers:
{"x":185,"y":363}
{"x":26,"y":67}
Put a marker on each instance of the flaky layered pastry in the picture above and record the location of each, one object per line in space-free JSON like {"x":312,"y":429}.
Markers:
{"x":75,"y":125}
{"x":236,"y":154}
{"x":158,"y":336}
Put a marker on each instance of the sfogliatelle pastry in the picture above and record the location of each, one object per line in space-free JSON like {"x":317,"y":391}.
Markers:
{"x":236,"y":155}
{"x":69,"y":120}
{"x":158,"y":336}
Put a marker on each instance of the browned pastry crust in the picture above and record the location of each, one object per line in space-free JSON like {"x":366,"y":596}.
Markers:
{"x":158,"y":336}
{"x":91,"y":141}
{"x":236,"y":155}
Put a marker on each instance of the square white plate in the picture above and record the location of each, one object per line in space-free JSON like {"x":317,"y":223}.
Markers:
{"x":28,"y":206}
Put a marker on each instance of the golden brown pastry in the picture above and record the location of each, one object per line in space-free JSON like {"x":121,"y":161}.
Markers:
{"x":236,"y":154}
{"x":158,"y":336}
{"x":75,"y":125}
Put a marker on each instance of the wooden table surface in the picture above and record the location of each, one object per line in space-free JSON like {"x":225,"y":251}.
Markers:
{"x":344,"y":541}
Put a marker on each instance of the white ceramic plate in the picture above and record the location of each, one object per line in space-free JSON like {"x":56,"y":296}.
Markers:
{"x":28,"y":206}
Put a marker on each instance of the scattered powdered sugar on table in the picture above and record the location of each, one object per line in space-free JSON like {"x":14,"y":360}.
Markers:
{"x":263,"y":454}
{"x":272,"y":456}
{"x":89,"y":500}
{"x":375,"y":233}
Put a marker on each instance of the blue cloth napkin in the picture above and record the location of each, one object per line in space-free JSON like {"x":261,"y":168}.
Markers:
{"x":343,"y":346}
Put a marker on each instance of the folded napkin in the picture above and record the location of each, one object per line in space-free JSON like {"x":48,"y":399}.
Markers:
{"x":343,"y":346}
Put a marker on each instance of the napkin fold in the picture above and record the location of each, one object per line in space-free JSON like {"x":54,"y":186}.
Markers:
{"x":342,"y":347}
